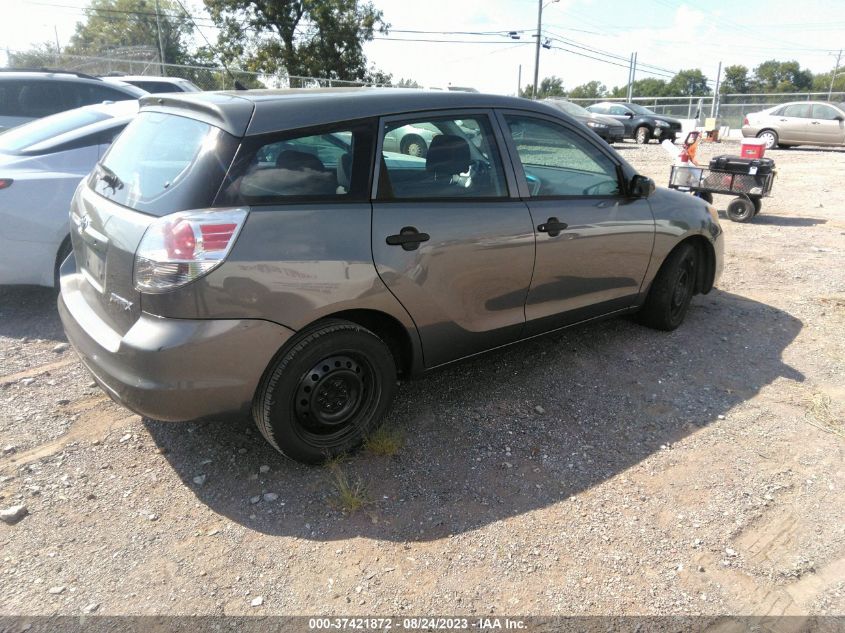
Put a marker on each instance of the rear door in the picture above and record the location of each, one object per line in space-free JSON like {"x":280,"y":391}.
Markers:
{"x":593,"y":242}
{"x":826,"y":126}
{"x":449,"y":240}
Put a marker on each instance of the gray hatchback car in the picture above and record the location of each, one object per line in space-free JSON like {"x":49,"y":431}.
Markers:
{"x":260,"y":252}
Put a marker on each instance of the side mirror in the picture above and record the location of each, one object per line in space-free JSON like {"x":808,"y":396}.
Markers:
{"x":839,"y":118}
{"x":641,"y":187}
{"x":630,"y":115}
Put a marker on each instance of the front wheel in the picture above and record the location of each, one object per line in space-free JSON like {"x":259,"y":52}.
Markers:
{"x":671,"y":291}
{"x":324,"y":393}
{"x":642,"y":135}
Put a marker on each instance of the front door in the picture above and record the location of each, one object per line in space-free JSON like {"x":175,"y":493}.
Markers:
{"x":826,"y":126}
{"x":448,"y":239}
{"x":594,"y":244}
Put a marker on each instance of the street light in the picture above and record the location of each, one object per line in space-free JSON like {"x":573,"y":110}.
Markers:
{"x":540,"y":8}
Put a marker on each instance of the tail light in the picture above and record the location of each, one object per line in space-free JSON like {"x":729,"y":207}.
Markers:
{"x":180,"y":248}
{"x":5,"y":183}
{"x":745,"y":121}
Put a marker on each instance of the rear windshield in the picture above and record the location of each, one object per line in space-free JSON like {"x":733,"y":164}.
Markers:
{"x":163,"y":163}
{"x":19,"y":139}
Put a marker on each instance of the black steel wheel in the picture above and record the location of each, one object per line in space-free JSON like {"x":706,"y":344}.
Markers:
{"x":740,"y":210}
{"x":672,"y":290}
{"x":325,"y":391}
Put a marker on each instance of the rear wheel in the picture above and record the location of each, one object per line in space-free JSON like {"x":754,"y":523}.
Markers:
{"x":770,"y":137}
{"x":671,"y":291}
{"x":642,"y":135}
{"x":324,"y":394}
{"x":740,"y":210}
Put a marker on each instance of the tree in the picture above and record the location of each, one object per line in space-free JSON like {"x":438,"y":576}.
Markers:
{"x":821,"y":82}
{"x":775,"y":76}
{"x":589,"y":90}
{"x":313,"y":38}
{"x":648,"y":87}
{"x":736,"y":80}
{"x":690,"y":82}
{"x":120,"y":24}
{"x":549,"y":87}
{"x":407,"y":83}
{"x":39,"y":56}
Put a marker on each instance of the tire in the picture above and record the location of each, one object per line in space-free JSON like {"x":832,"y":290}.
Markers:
{"x":758,"y":204}
{"x":771,"y":138}
{"x":414,"y":145}
{"x":740,"y":210}
{"x":671,"y":291}
{"x":706,"y":196}
{"x":324,"y":392}
{"x":642,"y":135}
{"x":64,"y":250}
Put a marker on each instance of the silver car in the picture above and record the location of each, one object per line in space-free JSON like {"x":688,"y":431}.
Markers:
{"x":265,"y":252}
{"x":798,"y":123}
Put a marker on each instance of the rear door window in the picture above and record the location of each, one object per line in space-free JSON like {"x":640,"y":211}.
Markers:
{"x":39,"y":98}
{"x":163,"y":163}
{"x":326,"y":164}
{"x":448,"y":157}
{"x":797,"y":110}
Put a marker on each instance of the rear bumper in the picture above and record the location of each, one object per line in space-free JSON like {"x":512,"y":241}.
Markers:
{"x":171,"y":369}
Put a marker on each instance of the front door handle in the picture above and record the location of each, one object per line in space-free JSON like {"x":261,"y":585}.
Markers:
{"x":552,"y":226}
{"x":815,"y":122}
{"x":409,"y":238}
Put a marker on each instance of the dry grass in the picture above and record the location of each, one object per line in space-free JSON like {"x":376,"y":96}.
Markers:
{"x":349,"y":494}
{"x":384,"y":441}
{"x":821,"y":408}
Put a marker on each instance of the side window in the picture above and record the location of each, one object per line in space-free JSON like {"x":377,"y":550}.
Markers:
{"x":799,"y":110}
{"x":41,"y":98}
{"x":558,"y":162}
{"x":441,"y":158}
{"x":331,"y":165}
{"x":825,"y":112}
{"x":599,"y":108}
{"x":619,"y":110}
{"x":9,"y":104}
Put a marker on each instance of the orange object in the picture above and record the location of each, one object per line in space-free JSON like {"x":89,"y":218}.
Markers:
{"x":752,"y":148}
{"x":690,"y":148}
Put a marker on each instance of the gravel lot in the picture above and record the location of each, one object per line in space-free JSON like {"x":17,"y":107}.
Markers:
{"x":610,"y":469}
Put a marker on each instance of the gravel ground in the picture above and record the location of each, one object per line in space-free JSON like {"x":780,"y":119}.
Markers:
{"x":610,"y":469}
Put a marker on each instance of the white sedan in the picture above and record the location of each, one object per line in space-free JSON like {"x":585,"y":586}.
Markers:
{"x":41,"y":164}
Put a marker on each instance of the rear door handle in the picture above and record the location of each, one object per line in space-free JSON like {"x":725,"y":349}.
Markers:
{"x":815,"y":122}
{"x":552,"y":226}
{"x":409,"y":238}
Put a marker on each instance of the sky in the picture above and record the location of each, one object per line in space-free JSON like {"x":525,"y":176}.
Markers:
{"x":668,"y":35}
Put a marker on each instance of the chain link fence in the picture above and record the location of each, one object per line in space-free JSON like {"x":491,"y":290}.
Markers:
{"x":730,"y":109}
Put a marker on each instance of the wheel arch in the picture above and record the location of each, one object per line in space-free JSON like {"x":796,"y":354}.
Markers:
{"x":706,"y":257}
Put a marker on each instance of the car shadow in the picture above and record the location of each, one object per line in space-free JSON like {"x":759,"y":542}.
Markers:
{"x":502,"y":434}
{"x":28,"y":309}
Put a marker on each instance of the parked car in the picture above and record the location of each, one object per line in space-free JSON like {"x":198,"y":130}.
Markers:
{"x":32,"y":94}
{"x":41,"y":164}
{"x":226,"y":259}
{"x":154,"y":85}
{"x":641,"y":124}
{"x":606,"y":127}
{"x":415,"y":140}
{"x":798,"y":123}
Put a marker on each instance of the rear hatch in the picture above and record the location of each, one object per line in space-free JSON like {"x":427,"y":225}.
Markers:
{"x":161,"y":164}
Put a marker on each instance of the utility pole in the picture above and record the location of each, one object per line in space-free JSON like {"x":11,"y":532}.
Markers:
{"x":833,"y":76}
{"x":633,"y":75}
{"x":628,"y":83}
{"x":540,"y":5}
{"x":519,"y":81}
{"x":716,"y":94}
{"x":160,"y":45}
{"x":58,"y":48}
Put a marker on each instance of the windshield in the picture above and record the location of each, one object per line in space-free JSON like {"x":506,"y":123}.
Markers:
{"x":639,"y":109}
{"x":571,"y":108}
{"x":20,"y":138}
{"x":163,"y":163}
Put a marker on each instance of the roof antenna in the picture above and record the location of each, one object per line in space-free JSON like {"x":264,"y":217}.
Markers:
{"x":238,"y":84}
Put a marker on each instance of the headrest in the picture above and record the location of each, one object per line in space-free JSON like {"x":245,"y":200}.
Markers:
{"x":448,"y":154}
{"x":298,"y":161}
